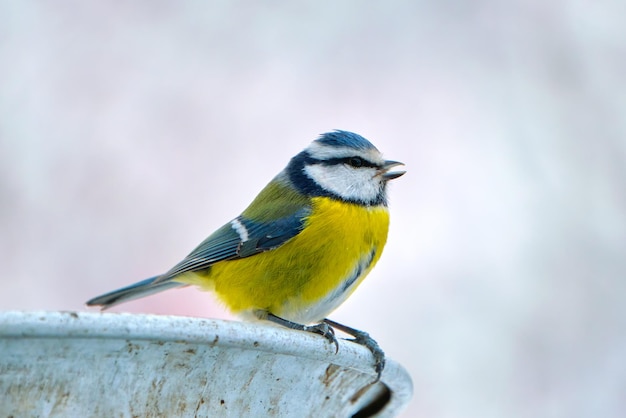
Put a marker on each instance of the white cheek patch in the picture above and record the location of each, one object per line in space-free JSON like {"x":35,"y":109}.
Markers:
{"x":346,"y":182}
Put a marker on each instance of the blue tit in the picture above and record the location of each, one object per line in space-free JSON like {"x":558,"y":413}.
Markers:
{"x":303,"y":245}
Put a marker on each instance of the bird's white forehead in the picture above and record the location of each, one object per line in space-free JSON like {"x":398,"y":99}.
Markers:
{"x":321,"y":151}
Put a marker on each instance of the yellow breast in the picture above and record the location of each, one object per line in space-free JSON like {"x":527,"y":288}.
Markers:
{"x":310,"y":275}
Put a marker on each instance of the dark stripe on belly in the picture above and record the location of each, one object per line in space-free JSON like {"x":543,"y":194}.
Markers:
{"x":361,"y":267}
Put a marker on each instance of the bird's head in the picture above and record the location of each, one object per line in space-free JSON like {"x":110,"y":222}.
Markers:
{"x":345,"y":166}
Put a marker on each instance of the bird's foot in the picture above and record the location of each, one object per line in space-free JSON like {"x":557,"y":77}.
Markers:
{"x":364,"y":339}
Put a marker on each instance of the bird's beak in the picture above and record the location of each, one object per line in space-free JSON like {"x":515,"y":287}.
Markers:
{"x":390,"y":175}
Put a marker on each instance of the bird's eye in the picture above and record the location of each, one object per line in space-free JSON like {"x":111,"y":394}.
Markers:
{"x":355,"y":161}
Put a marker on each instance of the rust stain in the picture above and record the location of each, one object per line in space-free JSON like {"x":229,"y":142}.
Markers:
{"x":330,"y":374}
{"x":195,"y":413}
{"x":246,"y":385}
{"x":131,"y":348}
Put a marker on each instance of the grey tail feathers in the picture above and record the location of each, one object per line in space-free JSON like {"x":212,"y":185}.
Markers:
{"x":134,"y":291}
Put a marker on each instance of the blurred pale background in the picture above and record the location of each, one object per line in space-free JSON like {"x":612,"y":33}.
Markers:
{"x":128,"y":132}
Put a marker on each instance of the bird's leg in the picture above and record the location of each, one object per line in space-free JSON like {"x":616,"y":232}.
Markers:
{"x":363,"y":338}
{"x":323,"y":329}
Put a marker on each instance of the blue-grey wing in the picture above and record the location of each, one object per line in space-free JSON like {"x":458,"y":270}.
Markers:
{"x":242,"y":237}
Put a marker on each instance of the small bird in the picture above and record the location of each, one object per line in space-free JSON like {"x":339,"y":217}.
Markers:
{"x":302,"y":246}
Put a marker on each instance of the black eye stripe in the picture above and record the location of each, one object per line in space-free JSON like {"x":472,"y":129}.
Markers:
{"x":350,"y":161}
{"x":298,"y":176}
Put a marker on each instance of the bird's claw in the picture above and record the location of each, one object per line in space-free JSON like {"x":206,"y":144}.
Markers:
{"x":325,"y":331}
{"x":364,"y":339}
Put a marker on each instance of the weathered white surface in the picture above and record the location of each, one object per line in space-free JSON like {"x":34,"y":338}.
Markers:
{"x":66,"y":364}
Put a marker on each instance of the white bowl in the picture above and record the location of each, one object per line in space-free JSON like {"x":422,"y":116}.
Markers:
{"x":70,"y":364}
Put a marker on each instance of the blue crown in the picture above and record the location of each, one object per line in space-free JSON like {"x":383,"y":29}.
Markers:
{"x":345,"y":139}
